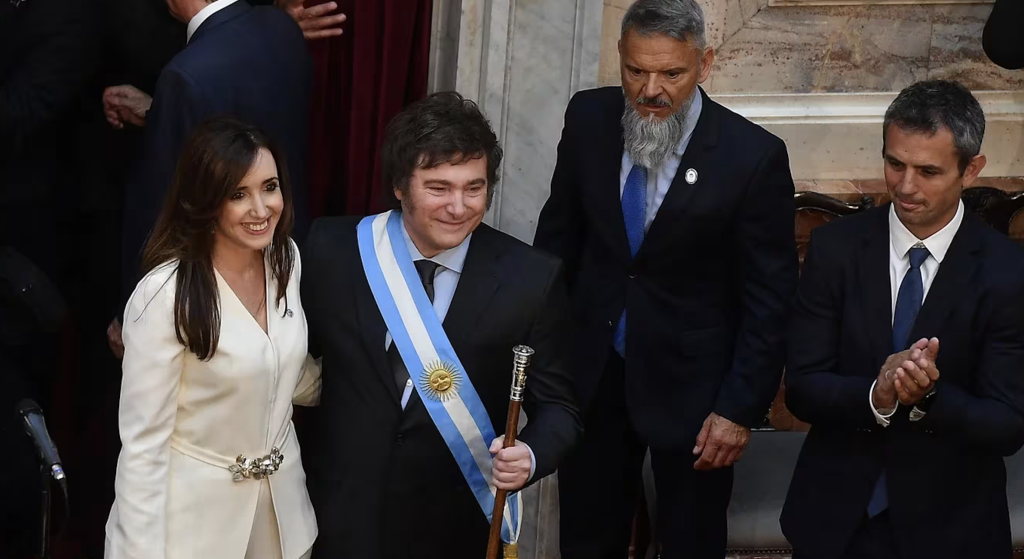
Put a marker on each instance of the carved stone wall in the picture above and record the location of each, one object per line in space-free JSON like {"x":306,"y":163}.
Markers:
{"x":820,"y":73}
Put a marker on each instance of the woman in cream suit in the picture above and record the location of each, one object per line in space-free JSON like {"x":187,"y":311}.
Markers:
{"x":215,"y":355}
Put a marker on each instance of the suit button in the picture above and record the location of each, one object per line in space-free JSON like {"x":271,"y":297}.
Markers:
{"x":399,"y":439}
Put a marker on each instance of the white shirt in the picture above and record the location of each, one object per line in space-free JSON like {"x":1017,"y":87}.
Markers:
{"x":204,"y":14}
{"x":901,"y":241}
{"x":446,"y":279}
{"x":659,"y":180}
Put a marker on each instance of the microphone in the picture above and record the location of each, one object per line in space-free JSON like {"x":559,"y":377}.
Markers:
{"x":35,"y":426}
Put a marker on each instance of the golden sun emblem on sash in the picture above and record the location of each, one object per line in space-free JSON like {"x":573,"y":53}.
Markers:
{"x":440,"y":381}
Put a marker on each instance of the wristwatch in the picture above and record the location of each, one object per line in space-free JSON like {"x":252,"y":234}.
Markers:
{"x":921,"y":408}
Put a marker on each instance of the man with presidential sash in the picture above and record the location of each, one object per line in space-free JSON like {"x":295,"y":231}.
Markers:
{"x":415,"y":313}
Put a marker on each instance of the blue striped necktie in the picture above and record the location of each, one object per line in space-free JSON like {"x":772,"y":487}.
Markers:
{"x":634,"y":214}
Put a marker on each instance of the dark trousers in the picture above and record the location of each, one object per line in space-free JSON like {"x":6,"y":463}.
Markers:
{"x":599,"y":486}
{"x":874,"y":539}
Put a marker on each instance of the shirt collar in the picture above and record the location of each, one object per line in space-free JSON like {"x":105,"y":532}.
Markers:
{"x":692,"y":116}
{"x":453,"y":258}
{"x":204,"y":14}
{"x":938,"y":244}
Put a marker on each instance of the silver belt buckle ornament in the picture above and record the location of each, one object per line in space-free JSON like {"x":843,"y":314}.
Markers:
{"x":256,"y":468}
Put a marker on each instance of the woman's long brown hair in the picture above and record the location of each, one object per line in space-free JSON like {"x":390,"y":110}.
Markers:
{"x":218,"y":155}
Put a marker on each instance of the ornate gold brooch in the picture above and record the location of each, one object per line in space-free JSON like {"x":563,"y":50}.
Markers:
{"x":440,"y":381}
{"x":256,"y":468}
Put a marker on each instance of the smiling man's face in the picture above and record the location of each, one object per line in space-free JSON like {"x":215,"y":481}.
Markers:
{"x":443,"y":205}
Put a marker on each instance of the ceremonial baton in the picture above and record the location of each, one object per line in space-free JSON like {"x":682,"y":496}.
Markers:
{"x":520,"y":362}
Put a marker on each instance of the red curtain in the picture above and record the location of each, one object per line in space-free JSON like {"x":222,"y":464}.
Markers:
{"x":361,"y":80}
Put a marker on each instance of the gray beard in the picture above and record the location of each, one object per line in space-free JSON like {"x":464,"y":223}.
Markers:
{"x":649,"y":141}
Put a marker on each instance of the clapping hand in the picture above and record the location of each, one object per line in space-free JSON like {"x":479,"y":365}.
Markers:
{"x":884,"y":397}
{"x":916,"y":376}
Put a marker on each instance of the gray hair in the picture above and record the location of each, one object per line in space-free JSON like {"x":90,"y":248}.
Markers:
{"x":926,"y":106}
{"x":682,"y":20}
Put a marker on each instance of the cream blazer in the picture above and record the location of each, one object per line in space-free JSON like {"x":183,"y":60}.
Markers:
{"x":183,"y":421}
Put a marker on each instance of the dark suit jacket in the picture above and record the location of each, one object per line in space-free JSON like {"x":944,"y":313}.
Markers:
{"x":384,"y":484}
{"x":945,"y":474}
{"x":706,"y":296}
{"x":47,"y":54}
{"x":245,"y":62}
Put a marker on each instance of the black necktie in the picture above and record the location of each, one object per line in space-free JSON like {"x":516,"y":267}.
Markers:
{"x":426,"y":269}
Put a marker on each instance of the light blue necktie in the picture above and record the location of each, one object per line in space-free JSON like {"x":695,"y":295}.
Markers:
{"x":908,"y":304}
{"x":634,"y":214}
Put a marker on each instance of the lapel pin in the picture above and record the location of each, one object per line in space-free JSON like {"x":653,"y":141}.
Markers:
{"x":691,"y":175}
{"x":288,"y":313}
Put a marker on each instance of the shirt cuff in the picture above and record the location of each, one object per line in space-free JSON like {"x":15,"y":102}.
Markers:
{"x":882,"y":420}
{"x":533,"y":463}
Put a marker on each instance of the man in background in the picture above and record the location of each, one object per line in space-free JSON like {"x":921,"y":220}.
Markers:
{"x":674,"y":217}
{"x":906,"y":352}
{"x":148,"y":54}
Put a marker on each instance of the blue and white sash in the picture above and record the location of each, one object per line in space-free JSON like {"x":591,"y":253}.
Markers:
{"x":456,"y":408}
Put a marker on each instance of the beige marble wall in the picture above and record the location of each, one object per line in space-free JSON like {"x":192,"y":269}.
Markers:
{"x":802,"y":49}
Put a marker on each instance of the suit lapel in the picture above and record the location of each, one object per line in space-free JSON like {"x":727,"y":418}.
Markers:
{"x":703,"y":140}
{"x":371,"y":325}
{"x":876,"y":291}
{"x":275,"y":312}
{"x":477,"y":285}
{"x":608,"y":166}
{"x":953,"y":277}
